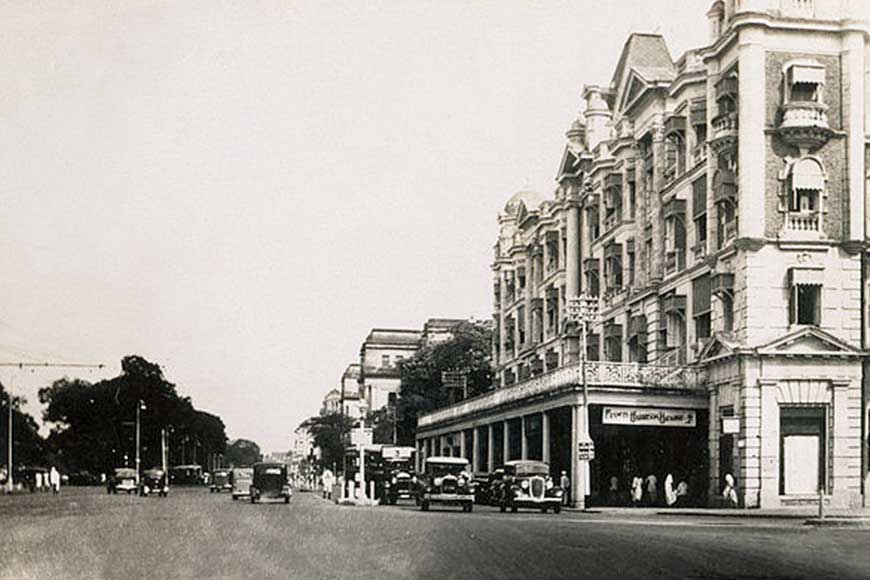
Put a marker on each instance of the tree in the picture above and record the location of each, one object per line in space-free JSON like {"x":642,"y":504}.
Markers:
{"x":331,"y":433}
{"x":242,"y":452}
{"x":28,"y":446}
{"x":421,"y":390}
{"x":93,"y":425}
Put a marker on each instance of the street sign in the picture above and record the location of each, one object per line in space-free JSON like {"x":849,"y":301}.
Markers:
{"x":586,"y":450}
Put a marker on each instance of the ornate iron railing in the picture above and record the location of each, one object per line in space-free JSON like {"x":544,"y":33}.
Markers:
{"x":611,"y":374}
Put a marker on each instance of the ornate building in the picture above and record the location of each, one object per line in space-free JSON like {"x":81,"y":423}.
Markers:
{"x":716,"y":207}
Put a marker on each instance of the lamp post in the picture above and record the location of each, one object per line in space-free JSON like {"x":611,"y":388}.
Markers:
{"x":140,"y":406}
{"x":583,"y":310}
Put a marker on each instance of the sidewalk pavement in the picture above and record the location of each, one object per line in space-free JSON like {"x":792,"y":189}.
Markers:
{"x":834,"y":517}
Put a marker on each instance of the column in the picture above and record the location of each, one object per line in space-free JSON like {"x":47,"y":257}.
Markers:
{"x":490,"y":444}
{"x":854,"y":67}
{"x":751,"y":110}
{"x":713,"y":435}
{"x":505,"y":448}
{"x":524,"y":440}
{"x":475,"y":450}
{"x":461,"y":435}
{"x":768,"y":446}
{"x":545,"y":437}
{"x":579,"y":469}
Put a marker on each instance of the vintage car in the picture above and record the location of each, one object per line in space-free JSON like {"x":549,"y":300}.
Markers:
{"x":270,"y":482}
{"x":445,"y":480}
{"x":399,"y":484}
{"x":220,"y":481}
{"x":154,"y":481}
{"x":122,"y":479}
{"x":527,"y":484}
{"x":241,"y":478}
{"x":487,"y":487}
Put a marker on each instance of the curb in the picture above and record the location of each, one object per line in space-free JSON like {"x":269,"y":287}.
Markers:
{"x":839,"y":522}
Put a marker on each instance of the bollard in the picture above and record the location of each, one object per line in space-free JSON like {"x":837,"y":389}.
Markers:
{"x":821,"y":503}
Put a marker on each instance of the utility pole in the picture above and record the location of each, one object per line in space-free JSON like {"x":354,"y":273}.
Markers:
{"x":139,"y":407}
{"x":22,"y":365}
{"x":163,"y":458}
{"x":583,"y":310}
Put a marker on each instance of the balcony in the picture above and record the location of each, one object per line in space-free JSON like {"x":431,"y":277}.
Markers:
{"x":806,"y":221}
{"x":725,"y":129}
{"x":805,"y":124}
{"x":699,"y":250}
{"x":598,"y":374}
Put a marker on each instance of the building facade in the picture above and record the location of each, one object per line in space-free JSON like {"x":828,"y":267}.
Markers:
{"x":715,"y":206}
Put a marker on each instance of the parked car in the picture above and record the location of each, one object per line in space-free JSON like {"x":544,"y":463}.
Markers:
{"x":154,"y":481}
{"x":270,"y":482}
{"x":527,"y":484}
{"x":122,"y":479}
{"x":220,"y":481}
{"x":83,"y":478}
{"x":445,"y":480}
{"x":487,"y":487}
{"x":241,"y":478}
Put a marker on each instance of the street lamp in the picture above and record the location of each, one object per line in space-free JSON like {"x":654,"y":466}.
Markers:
{"x":583,"y":310}
{"x":140,"y":406}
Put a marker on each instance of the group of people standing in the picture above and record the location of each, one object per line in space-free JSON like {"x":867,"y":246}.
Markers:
{"x":646,"y":492}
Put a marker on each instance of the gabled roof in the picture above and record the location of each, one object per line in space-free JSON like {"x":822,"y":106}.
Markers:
{"x":570,"y":165}
{"x":645,"y":60}
{"x":719,"y":346}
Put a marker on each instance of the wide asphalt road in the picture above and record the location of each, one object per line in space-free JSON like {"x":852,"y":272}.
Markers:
{"x":87,"y":534}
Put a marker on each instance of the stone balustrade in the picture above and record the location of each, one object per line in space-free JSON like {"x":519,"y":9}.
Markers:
{"x":598,"y":374}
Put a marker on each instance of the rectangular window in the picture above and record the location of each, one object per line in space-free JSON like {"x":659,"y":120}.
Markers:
{"x":701,"y":306}
{"x":385,"y":360}
{"x":632,"y":198}
{"x":805,"y":304}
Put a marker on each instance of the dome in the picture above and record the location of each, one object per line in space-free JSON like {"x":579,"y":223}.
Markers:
{"x":530,"y":199}
{"x":577,"y":129}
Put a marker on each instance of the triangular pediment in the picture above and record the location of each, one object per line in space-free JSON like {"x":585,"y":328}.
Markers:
{"x":634,"y":86}
{"x":718,"y":346}
{"x":808,"y":341}
{"x":570,"y":165}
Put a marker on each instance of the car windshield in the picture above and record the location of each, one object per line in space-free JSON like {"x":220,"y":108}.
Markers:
{"x":125,"y":473}
{"x":442,"y":469}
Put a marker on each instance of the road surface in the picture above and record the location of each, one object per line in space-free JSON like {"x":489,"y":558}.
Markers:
{"x":86,"y":534}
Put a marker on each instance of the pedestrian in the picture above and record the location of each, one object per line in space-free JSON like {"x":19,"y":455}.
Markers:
{"x":613,"y":491}
{"x":652,"y":491}
{"x":54,"y":480}
{"x":328,"y":480}
{"x":682,"y":494}
{"x":636,"y":491}
{"x":729,"y":494}
{"x":565,"y":483}
{"x":38,"y":479}
{"x":670,"y":493}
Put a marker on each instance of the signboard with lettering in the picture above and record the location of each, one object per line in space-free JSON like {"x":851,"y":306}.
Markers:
{"x":586,"y":450}
{"x":730,"y":425}
{"x":649,"y":417}
{"x":362,"y":436}
{"x":392,"y":453}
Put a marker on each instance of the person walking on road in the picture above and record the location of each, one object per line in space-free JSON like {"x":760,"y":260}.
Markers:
{"x":565,"y":483}
{"x":328,"y":481}
{"x":54,"y":479}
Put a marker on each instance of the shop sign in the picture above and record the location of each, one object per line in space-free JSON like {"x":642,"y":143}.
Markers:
{"x":649,"y":417}
{"x":392,"y":453}
{"x":730,"y":425}
{"x":362,"y":436}
{"x":585,"y":450}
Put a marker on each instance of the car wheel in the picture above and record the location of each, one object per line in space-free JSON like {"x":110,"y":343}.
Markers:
{"x":470,"y":507}
{"x":513,"y":509}
{"x":393,"y":500}
{"x":557,"y":509}
{"x":502,"y":508}
{"x":235,"y":498}
{"x":424,"y":505}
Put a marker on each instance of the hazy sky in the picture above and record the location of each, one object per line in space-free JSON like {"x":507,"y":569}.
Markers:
{"x":239,"y":191}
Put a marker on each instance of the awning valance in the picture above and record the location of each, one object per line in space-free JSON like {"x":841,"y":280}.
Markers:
{"x":675,"y":207}
{"x":804,"y":276}
{"x":674,"y":303}
{"x":807,"y":174}
{"x":726,"y":87}
{"x":591,"y":264}
{"x":613,"y":331}
{"x":724,"y":184}
{"x":613,"y":251}
{"x":675,"y":126}
{"x":701,"y":290}
{"x":806,"y":73}
{"x":698,"y":112}
{"x":722,"y":283}
{"x":637,"y":326}
{"x":613,"y":180}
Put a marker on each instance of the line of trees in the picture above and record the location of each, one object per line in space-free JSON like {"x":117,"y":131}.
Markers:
{"x":93,"y":425}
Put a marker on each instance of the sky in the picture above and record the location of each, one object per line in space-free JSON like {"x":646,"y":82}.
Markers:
{"x":240,"y":191}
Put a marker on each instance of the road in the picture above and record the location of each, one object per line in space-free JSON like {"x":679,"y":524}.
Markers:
{"x":86,"y":534}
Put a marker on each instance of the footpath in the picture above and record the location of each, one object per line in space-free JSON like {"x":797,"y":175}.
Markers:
{"x":833,"y":517}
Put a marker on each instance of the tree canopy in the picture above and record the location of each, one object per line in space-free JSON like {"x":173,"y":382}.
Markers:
{"x":421,"y":389}
{"x":242,"y":452}
{"x":28,"y":445}
{"x":330,"y":433}
{"x":93,"y":425}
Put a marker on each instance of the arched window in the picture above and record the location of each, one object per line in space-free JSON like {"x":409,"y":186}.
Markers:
{"x":805,"y":185}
